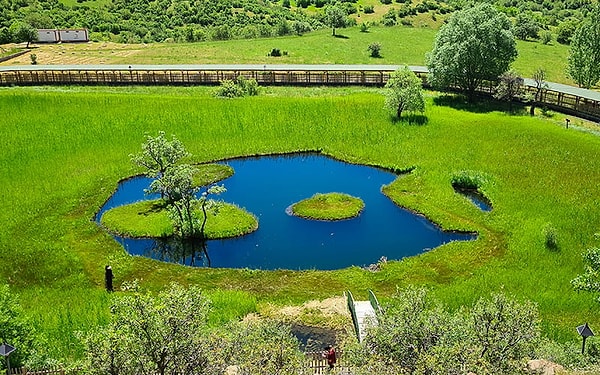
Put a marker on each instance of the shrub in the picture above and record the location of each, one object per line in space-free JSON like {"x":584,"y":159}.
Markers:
{"x":248,"y":86}
{"x":228,"y":89}
{"x":33,"y":57}
{"x":369,"y":9}
{"x":275,"y":52}
{"x":469,"y":180}
{"x":375,"y":49}
{"x":546,"y":37}
{"x":550,"y":237}
{"x":364,"y":27}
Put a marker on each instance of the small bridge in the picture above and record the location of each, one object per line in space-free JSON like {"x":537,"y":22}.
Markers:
{"x":364,"y":313}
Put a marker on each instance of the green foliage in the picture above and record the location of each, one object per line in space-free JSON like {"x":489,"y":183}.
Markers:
{"x":550,"y":236}
{"x":404,"y":92}
{"x":526,"y":26}
{"x":16,"y":329}
{"x":475,"y":45}
{"x":364,"y":27}
{"x":158,"y":154}
{"x":265,"y":347}
{"x":240,"y":87}
{"x":23,"y":32}
{"x":335,"y":17}
{"x":374,"y":49}
{"x":469,"y":180}
{"x":159,"y":334}
{"x":546,"y":37}
{"x":584,"y":59}
{"x":565,"y":31}
{"x":417,"y":334}
{"x":589,"y":281}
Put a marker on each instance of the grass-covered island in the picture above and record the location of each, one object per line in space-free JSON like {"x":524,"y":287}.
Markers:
{"x":150,"y":219}
{"x":329,"y":206}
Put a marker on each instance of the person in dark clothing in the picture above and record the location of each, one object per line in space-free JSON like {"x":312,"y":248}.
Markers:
{"x":108,"y":279}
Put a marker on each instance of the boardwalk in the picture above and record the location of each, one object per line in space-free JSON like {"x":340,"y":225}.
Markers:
{"x":563,"y":98}
{"x":363,"y":313}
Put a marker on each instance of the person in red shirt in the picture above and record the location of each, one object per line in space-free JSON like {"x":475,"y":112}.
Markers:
{"x":330,"y":355}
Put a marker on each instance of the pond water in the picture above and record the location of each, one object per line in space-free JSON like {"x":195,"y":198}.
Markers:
{"x":266,"y":186}
{"x":477,"y":199}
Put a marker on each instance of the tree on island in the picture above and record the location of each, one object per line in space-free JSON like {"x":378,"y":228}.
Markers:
{"x":404,"y":92}
{"x":158,"y":154}
{"x":584,"y":58}
{"x":476,"y":45}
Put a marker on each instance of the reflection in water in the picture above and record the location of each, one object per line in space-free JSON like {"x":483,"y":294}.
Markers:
{"x":477,"y":199}
{"x":265,"y":187}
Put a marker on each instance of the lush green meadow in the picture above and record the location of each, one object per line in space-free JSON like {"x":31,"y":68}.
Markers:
{"x":65,"y":149}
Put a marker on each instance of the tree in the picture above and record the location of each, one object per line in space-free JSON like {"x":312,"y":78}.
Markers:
{"x":540,"y":86}
{"x":584,"y":57}
{"x":24,"y":32}
{"x":589,"y":281}
{"x":404,"y":92}
{"x":335,"y":17}
{"x":526,"y":26}
{"x":474,"y":46}
{"x":156,"y":335}
{"x":265,"y":347}
{"x":510,"y":87}
{"x":158,"y":154}
{"x":416,"y":334}
{"x":15,"y":328}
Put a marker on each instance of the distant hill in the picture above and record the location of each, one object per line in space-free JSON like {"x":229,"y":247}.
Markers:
{"x":134,"y":21}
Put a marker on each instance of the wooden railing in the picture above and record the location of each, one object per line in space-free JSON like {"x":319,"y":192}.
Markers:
{"x":307,"y":75}
{"x":317,"y":364}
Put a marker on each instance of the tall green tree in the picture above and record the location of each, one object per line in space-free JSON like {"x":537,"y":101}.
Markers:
{"x":474,"y":46}
{"x":23,"y":32}
{"x":404,"y":92}
{"x":589,"y":280}
{"x":584,"y":57}
{"x":335,"y":17}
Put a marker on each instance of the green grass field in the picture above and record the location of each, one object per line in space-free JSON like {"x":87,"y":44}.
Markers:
{"x":59,"y":165}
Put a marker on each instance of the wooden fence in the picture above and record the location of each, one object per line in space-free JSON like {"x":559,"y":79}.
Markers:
{"x":315,"y":364}
{"x":306,"y":75}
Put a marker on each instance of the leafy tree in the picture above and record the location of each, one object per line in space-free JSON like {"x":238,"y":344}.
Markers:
{"x":584,"y":58}
{"x":474,"y":46}
{"x":510,"y":87}
{"x":589,"y":281}
{"x":404,"y":92}
{"x":335,"y":17}
{"x":24,"y":32}
{"x":158,"y":154}
{"x":505,"y":330}
{"x":526,"y":26}
{"x":149,"y":335}
{"x":265,"y":347}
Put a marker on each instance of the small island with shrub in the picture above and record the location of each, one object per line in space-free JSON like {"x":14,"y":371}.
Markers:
{"x":330,"y":206}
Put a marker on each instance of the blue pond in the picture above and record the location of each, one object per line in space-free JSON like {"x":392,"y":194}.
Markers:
{"x":266,"y":186}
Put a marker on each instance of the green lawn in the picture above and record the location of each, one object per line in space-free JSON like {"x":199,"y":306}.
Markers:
{"x":59,"y":165}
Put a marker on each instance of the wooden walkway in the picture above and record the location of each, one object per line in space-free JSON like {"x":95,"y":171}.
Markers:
{"x":563,"y":98}
{"x":363,"y":313}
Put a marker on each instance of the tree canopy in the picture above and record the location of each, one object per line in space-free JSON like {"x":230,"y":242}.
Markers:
{"x":584,"y":58}
{"x":474,"y":46}
{"x":404,"y":92}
